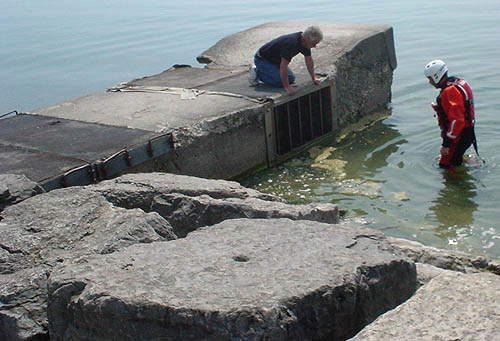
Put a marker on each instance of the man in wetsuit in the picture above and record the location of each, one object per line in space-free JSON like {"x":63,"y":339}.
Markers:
{"x":272,"y":59}
{"x":454,"y":107}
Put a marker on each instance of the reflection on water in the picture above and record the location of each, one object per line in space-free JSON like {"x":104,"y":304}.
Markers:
{"x":333,"y":170}
{"x":373,"y":181}
{"x":454,"y":206}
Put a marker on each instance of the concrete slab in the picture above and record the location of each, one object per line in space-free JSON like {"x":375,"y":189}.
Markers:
{"x":156,"y":103}
{"x":237,"y":50}
{"x":185,"y":77}
{"x":212,"y":122}
{"x":41,"y":147}
{"x":154,"y":110}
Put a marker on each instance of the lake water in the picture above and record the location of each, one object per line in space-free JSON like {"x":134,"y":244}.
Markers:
{"x":55,"y":50}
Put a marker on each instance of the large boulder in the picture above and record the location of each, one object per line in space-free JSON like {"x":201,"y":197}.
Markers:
{"x":59,"y":227}
{"x":273,"y":279}
{"x":443,"y":259}
{"x":139,"y":190}
{"x":67,"y":225}
{"x":187,"y":214}
{"x":189,"y":203}
{"x":452,"y":306}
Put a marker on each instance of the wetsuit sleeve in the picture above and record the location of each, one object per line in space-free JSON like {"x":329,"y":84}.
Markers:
{"x":453,"y":106}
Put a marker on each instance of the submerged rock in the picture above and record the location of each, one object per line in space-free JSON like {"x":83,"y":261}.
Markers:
{"x":241,"y":279}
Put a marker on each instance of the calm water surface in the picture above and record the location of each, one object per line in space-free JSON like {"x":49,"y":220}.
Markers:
{"x":55,"y":50}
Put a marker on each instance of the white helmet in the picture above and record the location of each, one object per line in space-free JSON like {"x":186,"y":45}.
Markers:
{"x":436,"y":70}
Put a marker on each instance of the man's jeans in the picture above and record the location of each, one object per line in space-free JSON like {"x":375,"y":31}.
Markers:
{"x":270,"y":73}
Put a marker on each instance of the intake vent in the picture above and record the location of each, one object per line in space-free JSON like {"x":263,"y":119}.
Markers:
{"x":302,"y":120}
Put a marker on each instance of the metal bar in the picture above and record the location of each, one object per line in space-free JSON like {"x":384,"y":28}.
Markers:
{"x":289,"y":125}
{"x":300,"y":122}
{"x":321,"y":111}
{"x":333,"y":99}
{"x":310,"y":116}
{"x":276,"y":132}
{"x":151,"y":152}
{"x":7,"y":114}
{"x":76,"y":171}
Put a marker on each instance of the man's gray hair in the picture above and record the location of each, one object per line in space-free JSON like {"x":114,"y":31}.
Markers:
{"x":313,"y":33}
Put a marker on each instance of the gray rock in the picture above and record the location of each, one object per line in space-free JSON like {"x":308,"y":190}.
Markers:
{"x":426,"y":272}
{"x":187,"y":214}
{"x":444,"y":259}
{"x":188,"y":203}
{"x":59,"y":227}
{"x":452,"y":306}
{"x":272,"y":279}
{"x":23,"y":310}
{"x":15,"y":188}
{"x":138,"y":190}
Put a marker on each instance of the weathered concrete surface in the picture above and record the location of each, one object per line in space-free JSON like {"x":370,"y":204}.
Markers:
{"x":15,"y":188}
{"x":217,"y":120}
{"x":360,"y":58}
{"x":452,"y":306}
{"x":152,"y":111}
{"x":56,"y":228}
{"x":272,"y":279}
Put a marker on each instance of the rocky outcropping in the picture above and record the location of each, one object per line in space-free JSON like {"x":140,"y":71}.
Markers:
{"x":307,"y":271}
{"x":452,"y":306}
{"x":67,"y":226}
{"x":273,"y":279}
{"x":443,"y":259}
{"x":188,"y":203}
{"x":53,"y":228}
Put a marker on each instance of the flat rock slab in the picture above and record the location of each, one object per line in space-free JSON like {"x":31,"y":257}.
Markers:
{"x":270,"y":279}
{"x":452,"y":306}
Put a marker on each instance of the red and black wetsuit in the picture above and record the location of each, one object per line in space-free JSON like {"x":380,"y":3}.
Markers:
{"x":455,"y":110}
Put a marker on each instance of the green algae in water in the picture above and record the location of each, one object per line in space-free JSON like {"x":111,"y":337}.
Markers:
{"x":368,"y":175}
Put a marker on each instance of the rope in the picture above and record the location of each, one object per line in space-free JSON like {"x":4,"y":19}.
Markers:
{"x":183,"y":92}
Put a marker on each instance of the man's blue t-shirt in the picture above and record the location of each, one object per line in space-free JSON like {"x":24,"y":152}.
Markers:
{"x":286,"y":46}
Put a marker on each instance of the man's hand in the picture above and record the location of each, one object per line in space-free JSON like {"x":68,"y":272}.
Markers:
{"x":445,"y":151}
{"x":316,"y":81}
{"x":290,"y":90}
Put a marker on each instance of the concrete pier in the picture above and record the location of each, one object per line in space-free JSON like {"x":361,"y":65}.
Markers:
{"x":205,"y":122}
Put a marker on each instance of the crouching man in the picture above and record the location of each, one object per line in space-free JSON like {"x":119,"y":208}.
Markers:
{"x":272,"y":59}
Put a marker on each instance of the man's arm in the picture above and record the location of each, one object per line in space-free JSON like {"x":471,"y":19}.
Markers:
{"x":310,"y":69}
{"x":284,"y":76}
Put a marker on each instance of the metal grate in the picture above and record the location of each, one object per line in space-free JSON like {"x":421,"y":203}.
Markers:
{"x":302,"y":120}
